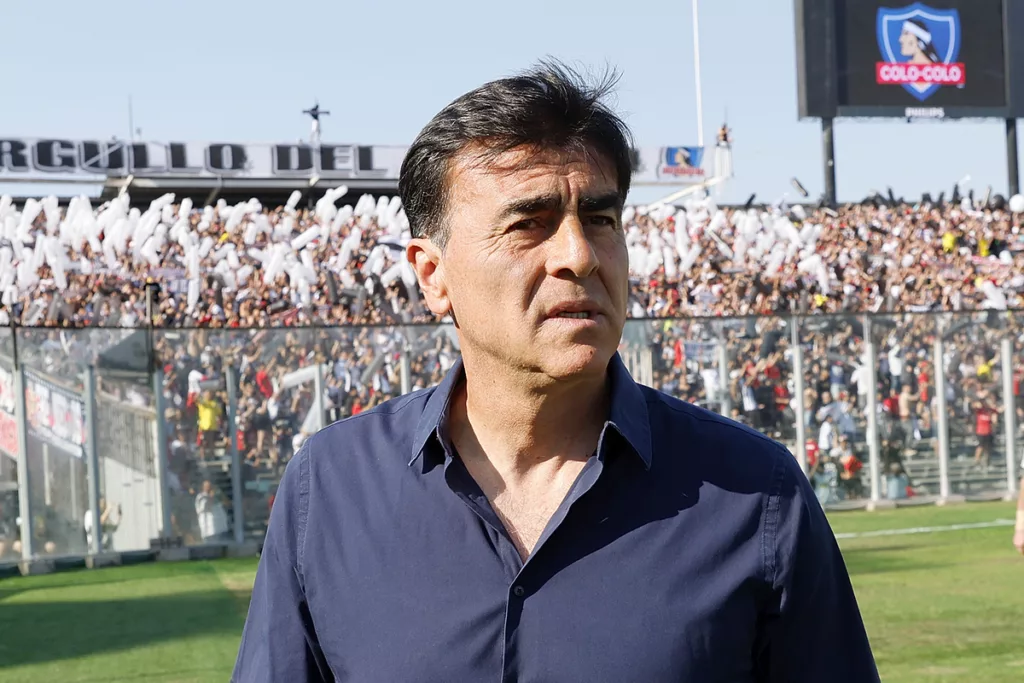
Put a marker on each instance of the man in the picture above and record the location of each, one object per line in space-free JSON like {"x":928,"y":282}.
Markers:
{"x":538,"y":516}
{"x":209,"y":412}
{"x":213,"y":520}
{"x":907,"y":406}
{"x":916,"y":43}
{"x":110,"y":519}
{"x":984,"y":429}
{"x":827,"y":434}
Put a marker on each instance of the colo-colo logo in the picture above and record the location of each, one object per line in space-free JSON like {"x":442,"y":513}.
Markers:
{"x":185,"y":159}
{"x":919,"y":47}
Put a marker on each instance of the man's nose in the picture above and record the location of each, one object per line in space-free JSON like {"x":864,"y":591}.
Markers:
{"x":570,"y":250}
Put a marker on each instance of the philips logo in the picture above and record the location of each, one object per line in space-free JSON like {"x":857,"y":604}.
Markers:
{"x":925,"y":113}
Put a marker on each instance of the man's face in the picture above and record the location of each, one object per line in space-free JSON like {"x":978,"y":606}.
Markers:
{"x":535,"y":268}
{"x":908,"y":44}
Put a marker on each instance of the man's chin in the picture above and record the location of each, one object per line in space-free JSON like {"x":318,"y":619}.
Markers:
{"x":575,"y":360}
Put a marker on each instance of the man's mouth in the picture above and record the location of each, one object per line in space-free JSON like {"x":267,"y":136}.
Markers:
{"x":582,"y":315}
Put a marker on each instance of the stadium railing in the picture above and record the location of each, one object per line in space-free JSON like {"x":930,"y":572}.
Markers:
{"x":179,"y":437}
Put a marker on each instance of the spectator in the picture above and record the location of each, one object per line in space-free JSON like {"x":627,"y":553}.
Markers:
{"x":110,"y":519}
{"x":985,"y":417}
{"x":9,"y":531}
{"x":897,"y":483}
{"x":849,"y":468}
{"x":213,"y":520}
{"x":827,"y":435}
{"x":907,"y":405}
{"x":209,"y":422}
{"x":825,"y":479}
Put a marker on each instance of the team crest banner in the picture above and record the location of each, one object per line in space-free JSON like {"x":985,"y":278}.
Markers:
{"x":919,"y":46}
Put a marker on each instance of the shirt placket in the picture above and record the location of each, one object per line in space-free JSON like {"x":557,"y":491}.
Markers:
{"x":517,"y":572}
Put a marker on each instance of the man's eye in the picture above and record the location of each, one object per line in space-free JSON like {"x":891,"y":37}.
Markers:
{"x":526,"y":224}
{"x":601,"y":220}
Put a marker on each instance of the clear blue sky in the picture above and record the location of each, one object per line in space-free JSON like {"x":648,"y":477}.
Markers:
{"x":244,"y":71}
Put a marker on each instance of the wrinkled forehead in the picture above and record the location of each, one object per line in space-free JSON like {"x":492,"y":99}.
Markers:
{"x":486,"y":178}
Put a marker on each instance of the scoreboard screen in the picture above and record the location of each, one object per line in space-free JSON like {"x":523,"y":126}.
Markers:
{"x":906,"y":59}
{"x":946,"y":53}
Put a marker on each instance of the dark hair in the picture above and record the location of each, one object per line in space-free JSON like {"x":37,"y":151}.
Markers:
{"x":926,"y":46}
{"x":548,"y":107}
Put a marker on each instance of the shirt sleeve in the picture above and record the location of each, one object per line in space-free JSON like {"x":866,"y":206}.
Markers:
{"x":279,"y":643}
{"x":812,"y":630}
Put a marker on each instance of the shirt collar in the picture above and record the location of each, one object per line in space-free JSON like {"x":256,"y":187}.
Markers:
{"x":628,"y":414}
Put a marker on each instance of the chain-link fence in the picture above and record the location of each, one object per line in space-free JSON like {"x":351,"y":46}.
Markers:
{"x":120,"y":440}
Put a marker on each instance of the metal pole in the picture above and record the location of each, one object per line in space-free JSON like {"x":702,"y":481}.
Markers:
{"x":92,"y":460}
{"x":874,"y":464}
{"x":405,"y":369}
{"x":801,"y":409}
{"x":131,"y":121}
{"x":1011,"y":156}
{"x":161,"y":451}
{"x":237,"y":492}
{"x":73,"y":477}
{"x":696,"y":75}
{"x":151,"y":291}
{"x":941,"y":420}
{"x":47,"y":477}
{"x":828,"y":143}
{"x":157,"y":371}
{"x":1009,"y":417}
{"x":723,"y":377}
{"x":24,"y":490}
{"x":648,"y":362}
{"x":318,"y":387}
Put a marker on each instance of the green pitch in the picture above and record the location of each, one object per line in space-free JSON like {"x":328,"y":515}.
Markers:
{"x":940,"y":606}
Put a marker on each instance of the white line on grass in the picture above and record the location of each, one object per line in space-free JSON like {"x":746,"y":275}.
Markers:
{"x":926,"y":529}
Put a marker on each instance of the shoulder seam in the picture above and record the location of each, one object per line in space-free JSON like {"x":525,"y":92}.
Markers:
{"x":772,"y":505}
{"x":303,"y":513}
{"x":353,"y":418}
{"x":721,"y":423}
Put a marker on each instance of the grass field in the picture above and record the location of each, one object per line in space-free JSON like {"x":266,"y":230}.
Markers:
{"x":939,"y":606}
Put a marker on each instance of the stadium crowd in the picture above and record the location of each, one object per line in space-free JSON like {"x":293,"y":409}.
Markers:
{"x":244,"y":266}
{"x":274,"y":294}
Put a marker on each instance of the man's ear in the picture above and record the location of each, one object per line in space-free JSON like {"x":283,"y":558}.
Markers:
{"x":425,"y":258}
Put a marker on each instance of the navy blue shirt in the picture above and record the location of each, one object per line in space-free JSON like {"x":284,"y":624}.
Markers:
{"x":690,"y":548}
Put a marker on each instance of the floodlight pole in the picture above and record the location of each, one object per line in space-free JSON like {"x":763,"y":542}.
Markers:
{"x":1011,"y":156}
{"x":829,"y":146}
{"x":696,"y":76}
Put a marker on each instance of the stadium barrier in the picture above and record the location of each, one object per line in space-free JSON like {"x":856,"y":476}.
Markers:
{"x":176,"y":439}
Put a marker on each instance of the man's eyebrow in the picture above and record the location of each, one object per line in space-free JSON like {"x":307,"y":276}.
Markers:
{"x":530,"y":205}
{"x":593,"y":204}
{"x":552,"y":202}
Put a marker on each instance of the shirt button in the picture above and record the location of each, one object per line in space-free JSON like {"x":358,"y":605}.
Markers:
{"x":518,"y":591}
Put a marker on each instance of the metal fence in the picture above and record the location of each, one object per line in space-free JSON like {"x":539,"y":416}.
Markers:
{"x":120,"y":440}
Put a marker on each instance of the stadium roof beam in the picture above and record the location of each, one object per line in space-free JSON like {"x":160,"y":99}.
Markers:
{"x":270,"y":191}
{"x":223,"y":182}
{"x":168,"y":183}
{"x":675,"y":196}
